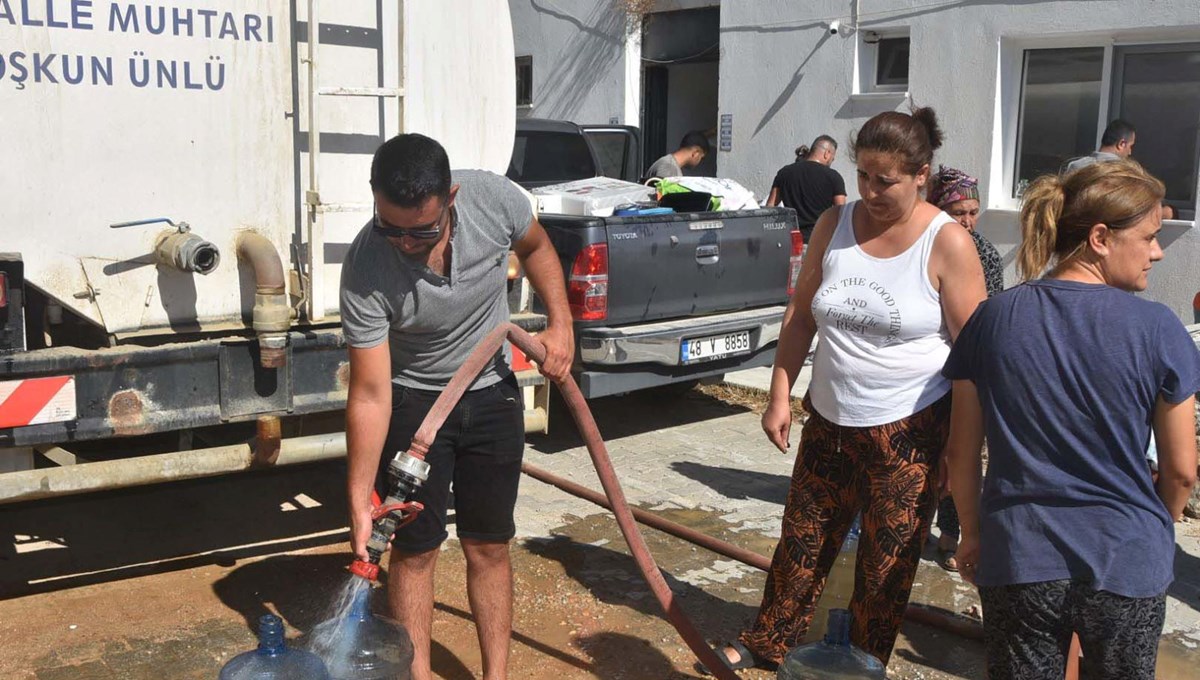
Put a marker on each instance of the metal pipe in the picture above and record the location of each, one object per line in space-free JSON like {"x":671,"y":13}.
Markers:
{"x":651,"y":520}
{"x":536,"y":419}
{"x":31,"y":485}
{"x":316,"y":226}
{"x":268,"y":441}
{"x":186,"y":252}
{"x":272,"y":318}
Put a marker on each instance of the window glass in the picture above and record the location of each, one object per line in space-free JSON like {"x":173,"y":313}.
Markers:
{"x":1157,"y":88}
{"x":1060,"y":109}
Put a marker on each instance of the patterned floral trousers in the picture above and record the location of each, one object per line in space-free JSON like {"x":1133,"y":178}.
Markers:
{"x":889,"y":473}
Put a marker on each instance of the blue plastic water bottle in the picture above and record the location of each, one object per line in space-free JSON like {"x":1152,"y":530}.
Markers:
{"x":273,"y":660}
{"x":362,"y":646}
{"x":833,"y":657}
{"x":839,"y":584}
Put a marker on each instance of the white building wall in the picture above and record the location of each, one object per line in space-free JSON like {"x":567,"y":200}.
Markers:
{"x":579,"y":59}
{"x":785,"y":80}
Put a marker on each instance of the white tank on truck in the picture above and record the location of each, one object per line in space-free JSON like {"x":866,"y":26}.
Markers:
{"x":180,"y":184}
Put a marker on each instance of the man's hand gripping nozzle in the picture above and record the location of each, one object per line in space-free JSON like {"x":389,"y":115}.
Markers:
{"x":406,"y":473}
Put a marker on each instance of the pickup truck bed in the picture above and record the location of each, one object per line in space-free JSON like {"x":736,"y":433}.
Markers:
{"x":666,"y":299}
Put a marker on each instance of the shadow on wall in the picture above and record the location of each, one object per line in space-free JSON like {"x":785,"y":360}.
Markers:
{"x":790,"y":88}
{"x":594,"y":47}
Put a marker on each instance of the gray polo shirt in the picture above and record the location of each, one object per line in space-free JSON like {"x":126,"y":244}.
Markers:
{"x":666,"y":166}
{"x":433,"y":322}
{"x":1095,"y":157}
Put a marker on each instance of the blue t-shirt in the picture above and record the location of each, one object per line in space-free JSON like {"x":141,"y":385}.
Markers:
{"x":1068,"y":375}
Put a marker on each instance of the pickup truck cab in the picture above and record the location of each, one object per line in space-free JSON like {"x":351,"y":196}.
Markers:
{"x":662,"y":299}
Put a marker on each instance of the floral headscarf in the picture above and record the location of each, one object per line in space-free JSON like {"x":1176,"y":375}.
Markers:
{"x":950,"y":185}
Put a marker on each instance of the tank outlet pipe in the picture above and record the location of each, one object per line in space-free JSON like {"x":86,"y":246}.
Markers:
{"x":272,"y":318}
{"x":475,"y":363}
{"x":186,"y":252}
{"x":178,"y":247}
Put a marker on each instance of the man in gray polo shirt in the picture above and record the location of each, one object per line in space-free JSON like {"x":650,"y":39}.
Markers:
{"x":1116,"y":143}
{"x":422,"y":284}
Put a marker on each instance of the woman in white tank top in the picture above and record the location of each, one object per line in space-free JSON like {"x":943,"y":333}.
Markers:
{"x":887,"y":282}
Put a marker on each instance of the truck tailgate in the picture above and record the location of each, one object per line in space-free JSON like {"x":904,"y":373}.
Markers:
{"x":691,"y":264}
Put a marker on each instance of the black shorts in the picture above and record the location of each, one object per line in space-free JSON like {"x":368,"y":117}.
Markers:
{"x":478,"y":450}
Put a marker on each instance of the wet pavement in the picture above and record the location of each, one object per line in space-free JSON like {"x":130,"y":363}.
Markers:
{"x":167,"y":581}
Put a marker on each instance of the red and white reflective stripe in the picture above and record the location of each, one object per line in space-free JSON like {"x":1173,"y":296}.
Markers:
{"x":520,"y":362}
{"x":37,"y":400}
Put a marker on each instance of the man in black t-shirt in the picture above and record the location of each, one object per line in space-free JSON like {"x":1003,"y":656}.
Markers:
{"x":809,"y":186}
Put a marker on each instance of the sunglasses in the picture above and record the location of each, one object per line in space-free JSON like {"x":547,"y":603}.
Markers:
{"x":424,"y":232}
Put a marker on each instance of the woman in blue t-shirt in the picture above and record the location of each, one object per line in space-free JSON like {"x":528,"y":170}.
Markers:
{"x":1067,"y":374}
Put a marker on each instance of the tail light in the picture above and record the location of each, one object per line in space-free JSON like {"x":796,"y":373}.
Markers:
{"x":3,"y":290}
{"x":794,"y":261}
{"x":587,"y":287}
{"x":1196,"y":308}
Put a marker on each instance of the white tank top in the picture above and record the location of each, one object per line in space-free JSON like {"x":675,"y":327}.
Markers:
{"x":882,"y":340}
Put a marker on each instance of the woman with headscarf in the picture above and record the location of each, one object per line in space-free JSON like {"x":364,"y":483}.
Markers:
{"x":957,"y":194}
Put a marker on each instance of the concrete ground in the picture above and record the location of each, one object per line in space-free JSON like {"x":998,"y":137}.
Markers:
{"x":166,"y":581}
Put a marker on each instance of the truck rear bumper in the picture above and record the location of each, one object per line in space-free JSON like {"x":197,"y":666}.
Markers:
{"x":658,"y":343}
{"x":617,"y":360}
{"x":621,"y":380}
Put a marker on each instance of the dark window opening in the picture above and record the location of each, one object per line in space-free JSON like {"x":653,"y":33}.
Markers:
{"x":524,"y":81}
{"x":891,"y":65}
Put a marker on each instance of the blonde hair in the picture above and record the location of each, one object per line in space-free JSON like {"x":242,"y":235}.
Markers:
{"x":1058,"y":211}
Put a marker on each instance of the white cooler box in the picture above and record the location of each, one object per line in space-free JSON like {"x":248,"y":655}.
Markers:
{"x":596,"y":196}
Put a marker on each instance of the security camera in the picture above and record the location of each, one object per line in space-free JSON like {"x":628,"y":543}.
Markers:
{"x":835,"y":27}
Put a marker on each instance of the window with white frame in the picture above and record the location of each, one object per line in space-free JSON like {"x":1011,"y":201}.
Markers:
{"x":1068,"y":95}
{"x":883,"y":61}
{"x":891,"y":62}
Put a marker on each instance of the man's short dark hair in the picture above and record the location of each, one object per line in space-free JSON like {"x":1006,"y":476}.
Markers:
{"x":695,"y":138}
{"x":825,"y":139}
{"x":1116,"y":131}
{"x":408,"y":169}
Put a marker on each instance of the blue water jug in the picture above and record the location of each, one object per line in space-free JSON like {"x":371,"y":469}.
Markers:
{"x":274,"y":660}
{"x":833,"y":657}
{"x":839,"y":584}
{"x":362,"y":646}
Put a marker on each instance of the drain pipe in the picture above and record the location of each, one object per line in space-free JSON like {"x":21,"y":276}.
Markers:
{"x":272,"y":317}
{"x":266,"y":452}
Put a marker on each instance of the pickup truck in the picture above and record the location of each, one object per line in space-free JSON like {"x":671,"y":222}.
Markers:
{"x":664,"y":299}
